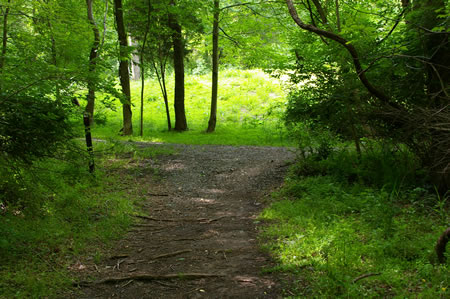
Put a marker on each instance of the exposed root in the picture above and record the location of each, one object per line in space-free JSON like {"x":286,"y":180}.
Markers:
{"x":201,"y":220}
{"x":149,"y":277}
{"x":208,"y":221}
{"x":155,"y":219}
{"x":170,"y":254}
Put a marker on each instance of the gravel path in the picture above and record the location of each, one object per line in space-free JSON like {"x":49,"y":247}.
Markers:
{"x":202,"y":209}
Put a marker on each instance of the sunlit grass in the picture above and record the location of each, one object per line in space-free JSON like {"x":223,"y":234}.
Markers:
{"x":250,"y":107}
{"x":326,"y":234}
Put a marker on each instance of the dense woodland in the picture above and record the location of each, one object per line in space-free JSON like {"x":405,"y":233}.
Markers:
{"x":361,"y":88}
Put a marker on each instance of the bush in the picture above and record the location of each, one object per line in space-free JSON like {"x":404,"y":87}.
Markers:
{"x":31,"y":127}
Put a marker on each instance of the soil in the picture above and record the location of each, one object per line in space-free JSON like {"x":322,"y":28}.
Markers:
{"x":201,"y":226}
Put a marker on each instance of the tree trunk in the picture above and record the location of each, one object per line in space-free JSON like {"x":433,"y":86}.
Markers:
{"x":178,"y":65}
{"x":161,"y":75}
{"x":166,"y":99}
{"x":438,"y":51}
{"x":135,"y":62}
{"x":141,"y":69}
{"x":4,"y":42}
{"x":215,"y":69}
{"x":5,"y":36}
{"x":124,"y":74}
{"x":92,"y":63}
{"x":141,"y":122}
{"x":338,"y":16}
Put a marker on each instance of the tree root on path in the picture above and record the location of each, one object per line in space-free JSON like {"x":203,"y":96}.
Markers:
{"x":155,"y":219}
{"x":201,"y":220}
{"x":148,"y":277}
{"x":170,"y":254}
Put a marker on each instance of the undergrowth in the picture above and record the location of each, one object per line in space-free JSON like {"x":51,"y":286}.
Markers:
{"x":61,"y":215}
{"x":340,"y":218}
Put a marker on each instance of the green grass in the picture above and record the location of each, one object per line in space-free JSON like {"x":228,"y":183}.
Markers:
{"x":326,"y":232}
{"x":62,"y":215}
{"x":250,"y":106}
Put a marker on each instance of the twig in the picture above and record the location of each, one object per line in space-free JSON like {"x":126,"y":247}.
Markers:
{"x":365,"y":276}
{"x":170,"y":254}
{"x":149,"y":277}
{"x":127,"y":283}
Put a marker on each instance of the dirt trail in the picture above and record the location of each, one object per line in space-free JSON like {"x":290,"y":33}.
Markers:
{"x":202,"y":220}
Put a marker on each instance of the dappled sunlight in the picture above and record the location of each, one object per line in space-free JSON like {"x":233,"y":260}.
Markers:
{"x":213,"y":191}
{"x":175,"y":165}
{"x":204,"y":200}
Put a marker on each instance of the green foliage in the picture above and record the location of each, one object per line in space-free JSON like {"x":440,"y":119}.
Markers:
{"x":32,"y":127}
{"x":381,"y":165}
{"x":327,"y":231}
{"x":69,"y":215}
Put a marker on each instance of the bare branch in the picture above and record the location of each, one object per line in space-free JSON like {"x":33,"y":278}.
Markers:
{"x":230,"y":38}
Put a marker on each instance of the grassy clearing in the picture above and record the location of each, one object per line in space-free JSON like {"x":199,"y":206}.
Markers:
{"x":65,"y":215}
{"x":250,"y":106}
{"x":333,"y":222}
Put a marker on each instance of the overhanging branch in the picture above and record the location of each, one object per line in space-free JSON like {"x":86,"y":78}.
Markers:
{"x":347,"y":45}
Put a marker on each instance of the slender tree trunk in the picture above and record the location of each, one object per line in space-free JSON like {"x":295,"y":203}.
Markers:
{"x":166,"y":98}
{"x":4,"y":42}
{"x":104,"y":22}
{"x":215,"y":69}
{"x":5,"y":36}
{"x":135,"y":62}
{"x":142,"y":70}
{"x":141,"y":122}
{"x":124,"y":74}
{"x":338,"y":16}
{"x":161,"y":75}
{"x":88,"y":137}
{"x":438,"y":50}
{"x":178,"y":65}
{"x":92,"y":63}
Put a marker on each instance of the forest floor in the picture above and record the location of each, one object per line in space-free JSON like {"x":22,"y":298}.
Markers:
{"x":199,"y":235}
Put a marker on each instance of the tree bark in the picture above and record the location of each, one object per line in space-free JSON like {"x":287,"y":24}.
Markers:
{"x":438,"y":51}
{"x":215,"y":69}
{"x":164,"y":90}
{"x":5,"y":36}
{"x":161,"y":75}
{"x":124,"y":74}
{"x":92,"y":63}
{"x":142,"y":69}
{"x":338,"y":16}
{"x":178,"y":65}
{"x":4,"y":42}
